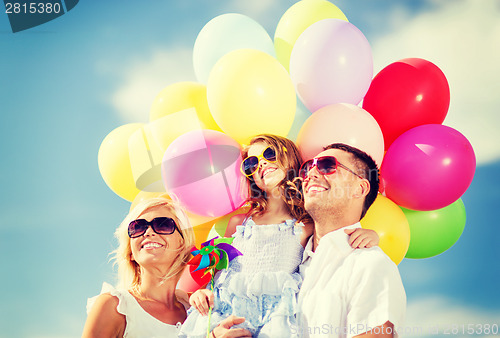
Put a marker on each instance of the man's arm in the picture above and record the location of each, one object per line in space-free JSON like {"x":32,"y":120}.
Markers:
{"x":383,"y":331}
{"x":376,"y":295}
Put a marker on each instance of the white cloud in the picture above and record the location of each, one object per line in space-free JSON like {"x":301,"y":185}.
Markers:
{"x":426,"y":315}
{"x":146,"y":78}
{"x":462,"y":38}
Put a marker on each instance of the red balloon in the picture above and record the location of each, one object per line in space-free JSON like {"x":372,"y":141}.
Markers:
{"x":407,"y":94}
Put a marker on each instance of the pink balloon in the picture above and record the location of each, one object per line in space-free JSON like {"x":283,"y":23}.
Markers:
{"x":331,"y":62}
{"x":202,"y":168}
{"x":187,"y":283}
{"x":428,"y":167}
{"x":341,"y":123}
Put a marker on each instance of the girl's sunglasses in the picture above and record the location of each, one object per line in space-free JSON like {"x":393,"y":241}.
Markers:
{"x":250,"y":164}
{"x":160,"y":225}
{"x":326,"y":165}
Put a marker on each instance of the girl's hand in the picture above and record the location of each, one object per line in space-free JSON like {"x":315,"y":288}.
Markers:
{"x":362,"y":238}
{"x":202,"y":300}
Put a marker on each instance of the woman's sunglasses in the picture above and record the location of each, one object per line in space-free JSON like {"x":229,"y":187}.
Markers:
{"x":160,"y":225}
{"x":250,"y":164}
{"x":326,"y":165}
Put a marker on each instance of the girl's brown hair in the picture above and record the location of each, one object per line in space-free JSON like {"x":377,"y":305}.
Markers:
{"x":289,"y":159}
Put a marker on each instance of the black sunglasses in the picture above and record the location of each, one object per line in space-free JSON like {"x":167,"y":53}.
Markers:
{"x":160,"y":225}
{"x":326,"y":165}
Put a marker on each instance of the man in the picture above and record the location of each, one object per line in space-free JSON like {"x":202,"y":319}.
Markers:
{"x":346,"y":292}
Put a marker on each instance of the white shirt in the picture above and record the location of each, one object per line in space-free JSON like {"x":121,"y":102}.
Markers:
{"x":347,"y":291}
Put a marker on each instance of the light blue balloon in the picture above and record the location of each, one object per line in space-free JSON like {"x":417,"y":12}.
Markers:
{"x":301,"y":115}
{"x":224,"y":34}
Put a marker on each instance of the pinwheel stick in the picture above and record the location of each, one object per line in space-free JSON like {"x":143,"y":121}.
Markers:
{"x":210,"y":309}
{"x":213,"y":255}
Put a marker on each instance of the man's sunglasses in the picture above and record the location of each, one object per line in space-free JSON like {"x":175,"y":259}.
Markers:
{"x":160,"y":225}
{"x":326,"y":165}
{"x":250,"y":164}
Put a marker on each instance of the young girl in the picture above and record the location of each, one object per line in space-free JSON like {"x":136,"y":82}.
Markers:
{"x":261,"y":285}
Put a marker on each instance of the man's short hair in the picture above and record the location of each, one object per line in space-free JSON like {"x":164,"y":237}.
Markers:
{"x":366,"y":168}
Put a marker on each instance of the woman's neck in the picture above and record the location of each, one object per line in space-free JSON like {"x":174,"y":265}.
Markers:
{"x":155,"y":288}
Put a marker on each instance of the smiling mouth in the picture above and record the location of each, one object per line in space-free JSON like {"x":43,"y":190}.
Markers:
{"x":315,"y":189}
{"x":267,"y":171}
{"x":151,"y":245}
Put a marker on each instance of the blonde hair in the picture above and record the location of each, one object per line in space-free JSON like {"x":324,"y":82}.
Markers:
{"x":289,"y":159}
{"x":129,"y":272}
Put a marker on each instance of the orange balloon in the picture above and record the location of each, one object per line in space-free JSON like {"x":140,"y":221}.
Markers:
{"x":390,"y":223}
{"x":201,"y":232}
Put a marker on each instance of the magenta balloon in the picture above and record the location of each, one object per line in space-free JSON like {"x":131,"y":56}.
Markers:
{"x":428,"y":167}
{"x":331,"y":62}
{"x":202,"y":168}
{"x":341,"y":123}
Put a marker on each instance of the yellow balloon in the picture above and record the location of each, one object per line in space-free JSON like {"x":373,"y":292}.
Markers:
{"x":114,"y":161}
{"x":390,"y":223}
{"x":167,"y":128}
{"x":250,"y":93}
{"x":295,"y":21}
{"x":145,"y":195}
{"x":221,"y":223}
{"x":180,"y":96}
{"x":145,"y":160}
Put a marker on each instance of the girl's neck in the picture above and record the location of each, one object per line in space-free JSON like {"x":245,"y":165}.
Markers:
{"x":276,"y":211}
{"x":275,"y":205}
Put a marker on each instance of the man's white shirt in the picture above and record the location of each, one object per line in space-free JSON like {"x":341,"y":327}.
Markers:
{"x":347,"y":291}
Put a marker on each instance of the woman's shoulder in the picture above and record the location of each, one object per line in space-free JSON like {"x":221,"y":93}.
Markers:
{"x":106,"y":302}
{"x":104,"y":318}
{"x":108,"y":295}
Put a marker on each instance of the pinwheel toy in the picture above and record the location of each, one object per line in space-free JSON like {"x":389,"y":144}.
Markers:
{"x":214,"y":254}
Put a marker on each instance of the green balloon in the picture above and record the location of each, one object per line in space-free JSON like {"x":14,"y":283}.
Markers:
{"x":433,"y":232}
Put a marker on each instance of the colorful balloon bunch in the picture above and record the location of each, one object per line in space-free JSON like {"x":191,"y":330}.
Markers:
{"x":191,"y":146}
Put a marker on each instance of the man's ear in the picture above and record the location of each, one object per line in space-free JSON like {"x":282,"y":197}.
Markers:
{"x":362,"y":189}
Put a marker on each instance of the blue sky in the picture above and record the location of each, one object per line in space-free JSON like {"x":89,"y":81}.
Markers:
{"x":66,"y":84}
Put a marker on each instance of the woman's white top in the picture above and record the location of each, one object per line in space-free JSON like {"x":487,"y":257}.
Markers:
{"x":139,"y":322}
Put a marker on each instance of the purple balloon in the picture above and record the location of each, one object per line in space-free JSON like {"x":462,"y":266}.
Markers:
{"x":202,"y":168}
{"x":331,"y":62}
{"x":428,"y":167}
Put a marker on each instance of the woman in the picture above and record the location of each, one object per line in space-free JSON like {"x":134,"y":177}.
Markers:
{"x":154,"y":245}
